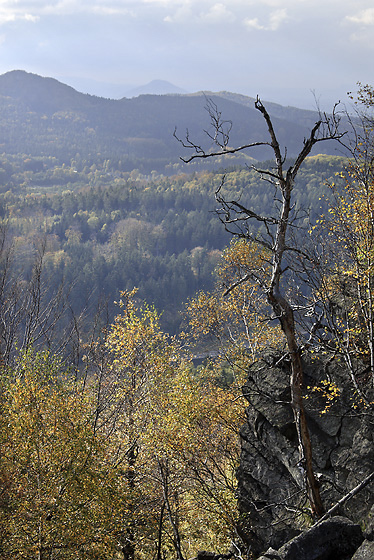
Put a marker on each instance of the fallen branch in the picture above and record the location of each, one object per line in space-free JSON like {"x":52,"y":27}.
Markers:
{"x":345,"y":498}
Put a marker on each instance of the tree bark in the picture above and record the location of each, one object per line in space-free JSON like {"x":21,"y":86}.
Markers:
{"x":285,"y":315}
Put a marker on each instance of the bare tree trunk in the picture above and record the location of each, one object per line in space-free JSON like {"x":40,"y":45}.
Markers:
{"x":276,"y":241}
{"x":286,"y":317}
{"x":284,"y":312}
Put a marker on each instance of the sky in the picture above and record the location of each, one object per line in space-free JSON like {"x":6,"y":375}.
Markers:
{"x":289,"y":51}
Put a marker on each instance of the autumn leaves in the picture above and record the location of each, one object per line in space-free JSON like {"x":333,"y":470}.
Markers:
{"x":136,"y":458}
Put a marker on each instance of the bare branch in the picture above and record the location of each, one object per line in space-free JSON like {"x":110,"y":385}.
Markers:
{"x":233,"y":214}
{"x":220,"y":136}
{"x":201,"y":154}
{"x":274,"y":142}
{"x":347,"y":497}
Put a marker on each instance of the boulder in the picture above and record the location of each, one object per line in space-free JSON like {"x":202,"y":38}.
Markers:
{"x":334,"y":538}
{"x":365,"y":552}
{"x":207,"y":555}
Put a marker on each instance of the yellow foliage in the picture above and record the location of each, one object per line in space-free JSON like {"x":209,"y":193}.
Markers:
{"x":178,"y":419}
{"x":351,"y":226}
{"x":328,"y":391}
{"x":235,"y":317}
{"x":59,"y":494}
{"x":146,"y":442}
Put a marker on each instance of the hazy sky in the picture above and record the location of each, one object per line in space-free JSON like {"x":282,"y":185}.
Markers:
{"x":281,"y":49}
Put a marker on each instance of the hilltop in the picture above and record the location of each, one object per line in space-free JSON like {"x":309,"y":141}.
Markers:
{"x":42,"y":116}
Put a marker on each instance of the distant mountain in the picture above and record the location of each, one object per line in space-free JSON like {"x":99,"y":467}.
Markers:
{"x":40,"y":94}
{"x":41,"y":116}
{"x":155,"y":87}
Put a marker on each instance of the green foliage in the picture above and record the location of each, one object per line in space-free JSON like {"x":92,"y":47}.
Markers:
{"x":108,"y":230}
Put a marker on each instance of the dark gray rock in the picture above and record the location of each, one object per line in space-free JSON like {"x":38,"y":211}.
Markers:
{"x":369,"y":526}
{"x":365,"y":552}
{"x":334,"y":538}
{"x":271,"y":487}
{"x":207,"y":555}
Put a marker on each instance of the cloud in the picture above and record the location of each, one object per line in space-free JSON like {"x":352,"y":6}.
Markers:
{"x":30,"y":17}
{"x":254,"y":22}
{"x":95,"y":7}
{"x":11,"y":11}
{"x":33,"y":10}
{"x":258,"y":14}
{"x":361,"y":26}
{"x":192,"y":12}
{"x":218,"y":13}
{"x":364,"y":17}
{"x":181,"y":15}
{"x":275,"y":20}
{"x":7,"y":16}
{"x":108,"y":11}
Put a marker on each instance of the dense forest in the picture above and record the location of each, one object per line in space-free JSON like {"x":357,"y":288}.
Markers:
{"x":106,"y":230}
{"x":116,"y":441}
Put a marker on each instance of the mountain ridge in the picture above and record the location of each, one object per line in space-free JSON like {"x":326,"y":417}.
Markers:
{"x":42,"y":116}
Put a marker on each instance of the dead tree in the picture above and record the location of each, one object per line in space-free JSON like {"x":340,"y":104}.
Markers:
{"x":274,"y":233}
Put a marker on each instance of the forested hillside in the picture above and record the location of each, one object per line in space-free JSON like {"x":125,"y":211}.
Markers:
{"x":41,"y":116}
{"x":107,"y":231}
{"x":116,"y":443}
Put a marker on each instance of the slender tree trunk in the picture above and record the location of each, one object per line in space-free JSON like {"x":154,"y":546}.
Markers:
{"x":286,"y":318}
{"x":296,"y":383}
{"x":160,"y":524}
{"x":164,"y":472}
{"x":128,"y":546}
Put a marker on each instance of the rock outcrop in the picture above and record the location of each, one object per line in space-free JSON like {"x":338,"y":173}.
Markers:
{"x":336,"y":538}
{"x":272,"y":500}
